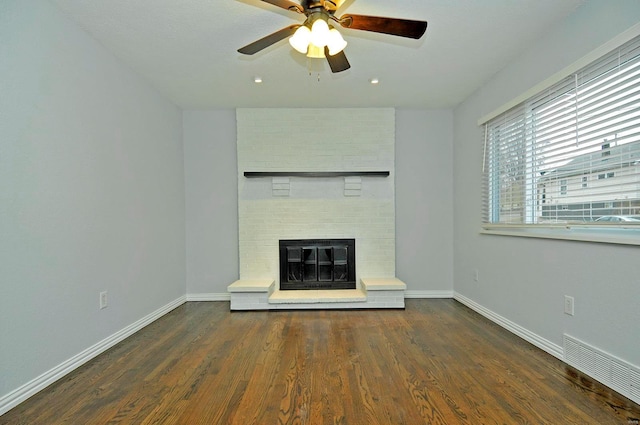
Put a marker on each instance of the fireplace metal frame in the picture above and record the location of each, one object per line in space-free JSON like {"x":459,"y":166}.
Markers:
{"x":317,"y":264}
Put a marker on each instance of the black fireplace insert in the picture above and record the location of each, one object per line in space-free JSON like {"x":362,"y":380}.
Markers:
{"x":318,"y":264}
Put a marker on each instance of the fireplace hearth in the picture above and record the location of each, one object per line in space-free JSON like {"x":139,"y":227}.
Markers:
{"x":317,"y":264}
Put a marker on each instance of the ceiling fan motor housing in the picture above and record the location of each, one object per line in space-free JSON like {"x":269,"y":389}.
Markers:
{"x":314,"y":16}
{"x":316,"y":4}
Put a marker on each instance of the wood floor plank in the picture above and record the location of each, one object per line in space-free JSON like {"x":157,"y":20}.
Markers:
{"x":436,"y":362}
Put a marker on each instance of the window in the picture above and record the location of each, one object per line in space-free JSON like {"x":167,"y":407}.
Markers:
{"x":606,"y":176}
{"x":540,"y":155}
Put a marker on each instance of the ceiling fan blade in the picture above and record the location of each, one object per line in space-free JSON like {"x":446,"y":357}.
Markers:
{"x":286,"y":4}
{"x":393,"y":26}
{"x":267,"y":41}
{"x":337,"y":62}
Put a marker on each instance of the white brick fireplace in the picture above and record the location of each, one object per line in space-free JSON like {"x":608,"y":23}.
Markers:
{"x":293,"y":207}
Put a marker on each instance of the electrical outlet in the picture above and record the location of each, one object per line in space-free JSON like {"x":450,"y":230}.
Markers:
{"x":476,"y":275}
{"x":103,"y":300}
{"x":568,"y":305}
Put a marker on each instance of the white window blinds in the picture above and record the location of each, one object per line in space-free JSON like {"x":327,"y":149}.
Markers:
{"x":570,"y":154}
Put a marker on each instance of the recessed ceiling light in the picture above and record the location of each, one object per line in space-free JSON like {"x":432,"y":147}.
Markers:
{"x":257,"y":80}
{"x":374,"y":81}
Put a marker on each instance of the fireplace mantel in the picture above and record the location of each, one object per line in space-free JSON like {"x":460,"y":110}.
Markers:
{"x":256,"y":174}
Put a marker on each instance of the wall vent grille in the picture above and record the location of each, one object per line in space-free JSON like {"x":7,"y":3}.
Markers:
{"x":635,"y":385}
{"x":605,"y":368}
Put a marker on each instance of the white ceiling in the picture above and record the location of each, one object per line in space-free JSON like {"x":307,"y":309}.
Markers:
{"x":187,"y":50}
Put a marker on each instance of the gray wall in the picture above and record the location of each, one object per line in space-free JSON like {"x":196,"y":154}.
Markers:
{"x":211,"y":193}
{"x":525,"y":280}
{"x":424,"y":200}
{"x":91,"y":193}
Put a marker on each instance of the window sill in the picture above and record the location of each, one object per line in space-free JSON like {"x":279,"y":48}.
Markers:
{"x":618,"y":236}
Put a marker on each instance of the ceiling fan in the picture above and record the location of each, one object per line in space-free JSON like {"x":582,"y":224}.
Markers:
{"x":317,"y":38}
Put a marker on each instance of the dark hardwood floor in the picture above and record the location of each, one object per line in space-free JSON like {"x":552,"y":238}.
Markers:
{"x":437,"y":362}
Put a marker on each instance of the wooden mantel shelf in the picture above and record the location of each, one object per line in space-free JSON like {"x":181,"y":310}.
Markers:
{"x":254,"y":174}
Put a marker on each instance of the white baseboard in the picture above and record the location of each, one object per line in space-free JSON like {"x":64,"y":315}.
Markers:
{"x":17,"y":396}
{"x":223,"y":296}
{"x":540,"y":342}
{"x":428,"y":294}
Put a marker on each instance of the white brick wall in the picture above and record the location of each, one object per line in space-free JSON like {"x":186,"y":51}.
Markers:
{"x":316,"y":140}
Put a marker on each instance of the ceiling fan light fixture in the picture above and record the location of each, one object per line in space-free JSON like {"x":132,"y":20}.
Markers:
{"x":320,"y":33}
{"x":335,"y":43}
{"x":300,"y":39}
